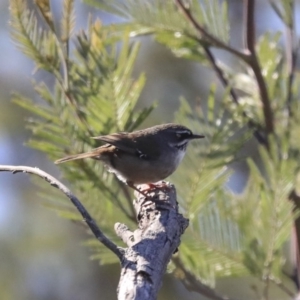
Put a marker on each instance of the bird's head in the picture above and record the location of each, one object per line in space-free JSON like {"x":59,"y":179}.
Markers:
{"x":177,"y":136}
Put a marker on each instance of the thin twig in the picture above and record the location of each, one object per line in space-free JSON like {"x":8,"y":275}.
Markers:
{"x":86,"y":216}
{"x":249,"y":7}
{"x":130,"y":215}
{"x":91,"y":174}
{"x":257,"y":130}
{"x":126,"y":193}
{"x":276,"y":9}
{"x":221,"y":75}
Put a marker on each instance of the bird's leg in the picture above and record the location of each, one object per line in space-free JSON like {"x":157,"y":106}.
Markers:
{"x":130,"y":184}
{"x":153,"y":186}
{"x":142,"y":192}
{"x":159,"y":184}
{"x":159,"y":203}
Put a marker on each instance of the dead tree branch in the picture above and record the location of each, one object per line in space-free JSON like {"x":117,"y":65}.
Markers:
{"x":150,"y":247}
{"x":86,"y":216}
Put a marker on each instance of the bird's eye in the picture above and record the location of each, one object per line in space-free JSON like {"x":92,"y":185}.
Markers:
{"x":178,"y":135}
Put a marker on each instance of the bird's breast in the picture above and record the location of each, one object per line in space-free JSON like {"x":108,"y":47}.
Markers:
{"x":140,"y":170}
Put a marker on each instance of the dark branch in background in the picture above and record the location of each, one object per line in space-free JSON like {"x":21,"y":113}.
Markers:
{"x":222,"y":76}
{"x":193,"y":284}
{"x":284,"y":288}
{"x":250,"y":58}
{"x":257,"y":130}
{"x":291,"y":56}
{"x":206,"y":35}
{"x":276,"y":9}
{"x":249,"y":8}
{"x":266,"y":287}
{"x":86,"y":216}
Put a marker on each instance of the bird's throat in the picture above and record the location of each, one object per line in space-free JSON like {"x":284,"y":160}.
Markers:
{"x":182,"y":146}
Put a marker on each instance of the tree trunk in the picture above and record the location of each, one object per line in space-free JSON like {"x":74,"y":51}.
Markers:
{"x":152,"y":245}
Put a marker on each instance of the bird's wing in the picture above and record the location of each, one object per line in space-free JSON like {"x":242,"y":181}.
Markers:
{"x":119,"y":140}
{"x":122,"y":141}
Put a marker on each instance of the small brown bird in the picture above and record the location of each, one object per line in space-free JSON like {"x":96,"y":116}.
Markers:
{"x":144,"y":156}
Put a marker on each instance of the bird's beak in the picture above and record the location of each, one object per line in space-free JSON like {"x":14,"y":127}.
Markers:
{"x":196,"y":136}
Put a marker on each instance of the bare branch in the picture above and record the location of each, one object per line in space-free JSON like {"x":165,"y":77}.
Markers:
{"x":249,"y":8}
{"x":86,"y":216}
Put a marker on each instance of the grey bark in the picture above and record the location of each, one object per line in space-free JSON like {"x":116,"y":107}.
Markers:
{"x":152,"y":245}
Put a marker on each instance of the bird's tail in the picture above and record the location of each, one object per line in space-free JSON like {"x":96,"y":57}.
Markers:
{"x":92,"y":153}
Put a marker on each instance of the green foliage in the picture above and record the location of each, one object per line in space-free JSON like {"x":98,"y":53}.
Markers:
{"x":270,"y":54}
{"x":166,"y":22}
{"x":217,"y":151}
{"x":264,"y":206}
{"x":94,"y":93}
{"x":35,"y":42}
{"x":240,"y":234}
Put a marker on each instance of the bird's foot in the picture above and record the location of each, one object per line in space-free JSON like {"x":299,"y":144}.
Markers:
{"x":140,"y":191}
{"x":144,"y":190}
{"x":152,"y":186}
